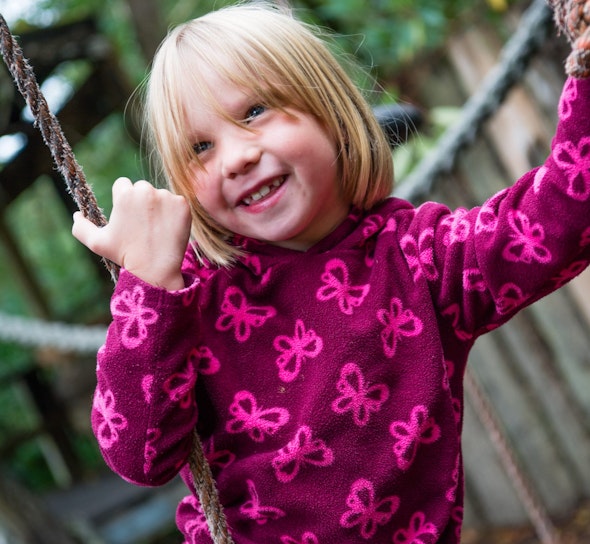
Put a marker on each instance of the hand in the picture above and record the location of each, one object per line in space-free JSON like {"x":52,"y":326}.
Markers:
{"x":147,"y":233}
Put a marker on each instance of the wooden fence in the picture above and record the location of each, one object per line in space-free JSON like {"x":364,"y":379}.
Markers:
{"x":536,"y":369}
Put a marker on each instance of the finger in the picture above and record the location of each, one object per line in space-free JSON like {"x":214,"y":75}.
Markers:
{"x":120,"y":186}
{"x":82,"y":228}
{"x":86,"y":232}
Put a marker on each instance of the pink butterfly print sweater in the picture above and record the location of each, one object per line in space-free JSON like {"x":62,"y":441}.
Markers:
{"x":327,"y":385}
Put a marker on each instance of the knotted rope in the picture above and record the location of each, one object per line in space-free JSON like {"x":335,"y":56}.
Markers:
{"x":572,"y":17}
{"x":50,"y":129}
{"x":81,"y":192}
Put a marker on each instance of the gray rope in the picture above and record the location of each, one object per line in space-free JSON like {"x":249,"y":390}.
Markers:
{"x":532,"y":31}
{"x":530,"y":499}
{"x":518,"y":51}
{"x":82,"y":194}
{"x":37,"y":333}
{"x":24,"y":78}
{"x":515,"y":56}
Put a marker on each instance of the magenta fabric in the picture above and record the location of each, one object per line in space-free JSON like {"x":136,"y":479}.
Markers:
{"x":327,"y":385}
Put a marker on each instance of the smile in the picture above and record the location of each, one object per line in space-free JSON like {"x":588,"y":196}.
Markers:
{"x":265,"y":190}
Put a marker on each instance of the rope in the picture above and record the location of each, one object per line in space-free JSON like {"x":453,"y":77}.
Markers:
{"x":528,"y":496}
{"x":30,"y":332}
{"x":572,"y":17}
{"x":51,"y":131}
{"x":64,"y":159}
{"x":531,"y":33}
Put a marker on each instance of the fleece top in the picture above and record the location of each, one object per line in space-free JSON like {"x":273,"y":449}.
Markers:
{"x":326,"y":385}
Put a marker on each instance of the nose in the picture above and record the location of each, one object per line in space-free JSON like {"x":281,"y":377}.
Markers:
{"x":240,"y":155}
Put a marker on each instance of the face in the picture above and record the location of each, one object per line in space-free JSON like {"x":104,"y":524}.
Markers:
{"x":272,"y":177}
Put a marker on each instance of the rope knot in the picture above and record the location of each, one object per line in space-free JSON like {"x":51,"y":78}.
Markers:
{"x":572,"y":17}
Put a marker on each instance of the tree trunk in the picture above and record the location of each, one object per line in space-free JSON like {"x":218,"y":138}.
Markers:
{"x":149,"y":25}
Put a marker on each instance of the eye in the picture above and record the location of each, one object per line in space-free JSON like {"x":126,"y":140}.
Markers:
{"x":201,"y":147}
{"x":254,"y":112}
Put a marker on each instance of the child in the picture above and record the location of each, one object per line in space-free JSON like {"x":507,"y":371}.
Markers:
{"x":316,"y":331}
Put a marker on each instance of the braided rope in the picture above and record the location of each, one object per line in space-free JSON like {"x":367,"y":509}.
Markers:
{"x":79,"y":189}
{"x":27,"y":331}
{"x":51,"y":131}
{"x":538,"y":515}
{"x":516,"y":54}
{"x":572,"y":17}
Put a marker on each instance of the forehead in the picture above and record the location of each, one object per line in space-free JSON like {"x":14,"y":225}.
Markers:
{"x":209,"y":95}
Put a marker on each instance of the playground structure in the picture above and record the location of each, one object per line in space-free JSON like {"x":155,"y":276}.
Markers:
{"x":536,"y":369}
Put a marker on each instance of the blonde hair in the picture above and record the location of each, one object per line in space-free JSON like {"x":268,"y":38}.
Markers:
{"x":288,"y":64}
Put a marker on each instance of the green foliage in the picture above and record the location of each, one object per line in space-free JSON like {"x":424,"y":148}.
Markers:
{"x":383,"y":35}
{"x":386,"y":34}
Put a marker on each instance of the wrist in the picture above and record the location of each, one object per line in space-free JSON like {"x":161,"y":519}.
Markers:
{"x":171,"y":280}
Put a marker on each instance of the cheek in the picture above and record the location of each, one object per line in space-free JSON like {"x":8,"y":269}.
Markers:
{"x":202,"y":183}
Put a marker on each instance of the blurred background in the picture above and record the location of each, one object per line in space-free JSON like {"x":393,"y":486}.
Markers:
{"x":527,"y":458}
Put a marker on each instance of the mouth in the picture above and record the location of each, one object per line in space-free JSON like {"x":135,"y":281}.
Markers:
{"x":263,"y":191}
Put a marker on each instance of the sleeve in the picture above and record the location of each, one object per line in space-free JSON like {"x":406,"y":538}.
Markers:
{"x":144,"y":409}
{"x":485,"y":264}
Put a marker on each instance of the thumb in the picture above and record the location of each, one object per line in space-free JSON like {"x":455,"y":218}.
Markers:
{"x":86,"y":232}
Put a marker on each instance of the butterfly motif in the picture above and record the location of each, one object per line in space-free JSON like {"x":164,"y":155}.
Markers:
{"x":220,"y":459}
{"x":454,"y":312}
{"x":420,"y":254}
{"x":253,"y":420}
{"x":146,"y":386}
{"x":487,"y":218}
{"x":399,"y":322}
{"x":302,"y":450}
{"x":421,"y":429}
{"x":108,"y":421}
{"x":337,"y":285}
{"x":237,"y":314}
{"x":459,"y":227}
{"x":149,"y":450}
{"x":203,"y":361}
{"x":374,"y":223}
{"x":295,"y":350}
{"x":366,"y":510}
{"x":306,"y":538}
{"x":526,"y":245}
{"x":574,"y":160}
{"x":253,"y":262}
{"x":510,"y":297}
{"x":569,"y":273}
{"x":180,"y":386}
{"x":371,"y":225}
{"x":415,"y":533}
{"x":568,"y":96}
{"x":451,"y":493}
{"x":473,"y":280}
{"x":253,"y":510}
{"x":196,"y":523}
{"x":135,"y":316}
{"x":356,"y":396}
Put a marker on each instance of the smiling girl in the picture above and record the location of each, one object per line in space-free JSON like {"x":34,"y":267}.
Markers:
{"x":312,"y":328}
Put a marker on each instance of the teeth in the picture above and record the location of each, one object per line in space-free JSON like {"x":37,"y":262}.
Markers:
{"x":262,"y":192}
